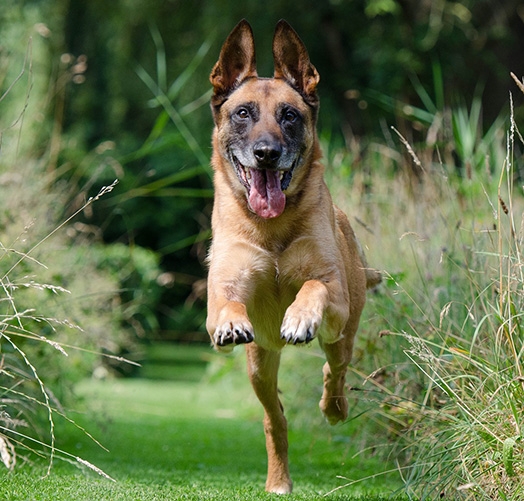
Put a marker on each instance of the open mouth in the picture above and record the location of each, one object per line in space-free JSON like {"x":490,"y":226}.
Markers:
{"x":265,"y":188}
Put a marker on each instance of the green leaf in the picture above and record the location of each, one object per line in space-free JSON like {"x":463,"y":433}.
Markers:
{"x":507,"y":455}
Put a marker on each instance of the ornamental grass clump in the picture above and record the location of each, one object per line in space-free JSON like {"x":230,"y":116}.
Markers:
{"x":59,"y":310}
{"x":465,"y":439}
{"x":437,"y":369}
{"x":24,"y":363}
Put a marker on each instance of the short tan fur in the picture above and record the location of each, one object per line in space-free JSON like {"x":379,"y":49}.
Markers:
{"x":284,"y":266}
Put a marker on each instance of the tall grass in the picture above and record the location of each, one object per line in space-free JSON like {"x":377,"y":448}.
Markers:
{"x":56,"y":311}
{"x":22,"y":389}
{"x":26,"y":365}
{"x":439,"y":362}
{"x":469,"y":431}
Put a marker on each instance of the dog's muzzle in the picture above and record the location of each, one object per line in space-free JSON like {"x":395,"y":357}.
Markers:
{"x":264,"y":183}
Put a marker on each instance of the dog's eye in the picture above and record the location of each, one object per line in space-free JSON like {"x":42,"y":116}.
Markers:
{"x":290,"y":116}
{"x":242,"y":113}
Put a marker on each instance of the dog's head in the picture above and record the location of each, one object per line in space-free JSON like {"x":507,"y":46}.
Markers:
{"x":265,"y":127}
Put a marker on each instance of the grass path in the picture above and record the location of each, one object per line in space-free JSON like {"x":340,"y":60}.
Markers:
{"x":187,"y":440}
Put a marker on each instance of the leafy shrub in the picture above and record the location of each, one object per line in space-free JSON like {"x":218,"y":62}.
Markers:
{"x":63,"y":307}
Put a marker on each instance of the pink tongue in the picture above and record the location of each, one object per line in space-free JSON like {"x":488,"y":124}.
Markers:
{"x":265,"y":196}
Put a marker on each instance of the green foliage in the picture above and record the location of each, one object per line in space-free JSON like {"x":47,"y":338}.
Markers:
{"x":446,"y":372}
{"x":61,"y":305}
{"x":474,"y":148}
{"x":136,"y":271}
{"x":507,"y":455}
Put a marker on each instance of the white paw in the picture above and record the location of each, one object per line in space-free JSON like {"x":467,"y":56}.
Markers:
{"x":231,"y":333}
{"x":299,"y":326}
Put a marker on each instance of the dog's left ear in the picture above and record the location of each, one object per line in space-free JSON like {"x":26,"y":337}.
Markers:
{"x":235,"y":63}
{"x":292,"y":62}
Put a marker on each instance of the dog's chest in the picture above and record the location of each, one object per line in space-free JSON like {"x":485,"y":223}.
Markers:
{"x":275,"y":288}
{"x":272,"y":296}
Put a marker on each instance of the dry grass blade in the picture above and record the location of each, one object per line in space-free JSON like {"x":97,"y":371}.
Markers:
{"x":60,"y":346}
{"x":94,"y":468}
{"x":44,"y":393}
{"x":404,"y":141}
{"x":7,"y":453}
{"x":22,"y":72}
{"x":103,"y":191}
{"x":57,"y":411}
{"x":520,"y":85}
{"x":54,"y":451}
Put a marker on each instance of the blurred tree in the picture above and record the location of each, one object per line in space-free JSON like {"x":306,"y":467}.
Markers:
{"x":139,"y":105}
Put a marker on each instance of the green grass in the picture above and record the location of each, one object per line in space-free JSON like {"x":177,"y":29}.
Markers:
{"x":168,"y":361}
{"x":190,"y":440}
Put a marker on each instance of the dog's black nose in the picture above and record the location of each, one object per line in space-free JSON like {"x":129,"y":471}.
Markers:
{"x":267,"y":152}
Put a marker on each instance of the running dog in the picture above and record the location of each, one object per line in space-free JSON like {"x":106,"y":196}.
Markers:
{"x":284,"y":266}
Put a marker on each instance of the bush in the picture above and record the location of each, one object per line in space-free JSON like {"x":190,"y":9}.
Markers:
{"x":66,"y":300}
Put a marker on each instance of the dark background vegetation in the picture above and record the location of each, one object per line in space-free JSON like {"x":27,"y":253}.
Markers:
{"x":131,"y":102}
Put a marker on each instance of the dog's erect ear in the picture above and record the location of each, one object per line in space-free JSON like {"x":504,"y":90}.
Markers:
{"x":292,"y":62}
{"x":236,"y":61}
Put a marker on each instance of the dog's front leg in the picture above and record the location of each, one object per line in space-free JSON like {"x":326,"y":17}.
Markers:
{"x":231,"y":286}
{"x":263,"y":372}
{"x":231,"y":326}
{"x":317,"y":302}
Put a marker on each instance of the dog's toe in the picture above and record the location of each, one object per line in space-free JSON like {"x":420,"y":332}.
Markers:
{"x":225,"y":339}
{"x":231,"y":333}
{"x":299,"y":330}
{"x":243,"y":336}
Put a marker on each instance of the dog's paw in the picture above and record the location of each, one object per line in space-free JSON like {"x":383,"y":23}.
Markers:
{"x":299,"y":325}
{"x":284,"y":486}
{"x":334,"y":408}
{"x":229,"y":334}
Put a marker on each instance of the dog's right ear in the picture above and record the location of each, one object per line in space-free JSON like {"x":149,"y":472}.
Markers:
{"x":235,"y":64}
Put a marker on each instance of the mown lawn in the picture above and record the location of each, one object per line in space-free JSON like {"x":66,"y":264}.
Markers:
{"x":189,"y":440}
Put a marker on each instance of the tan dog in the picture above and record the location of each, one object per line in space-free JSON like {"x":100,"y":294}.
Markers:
{"x":285,"y":266}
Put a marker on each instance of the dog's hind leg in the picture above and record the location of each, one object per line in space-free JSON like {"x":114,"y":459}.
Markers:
{"x":334,"y":404}
{"x":263,"y":373}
